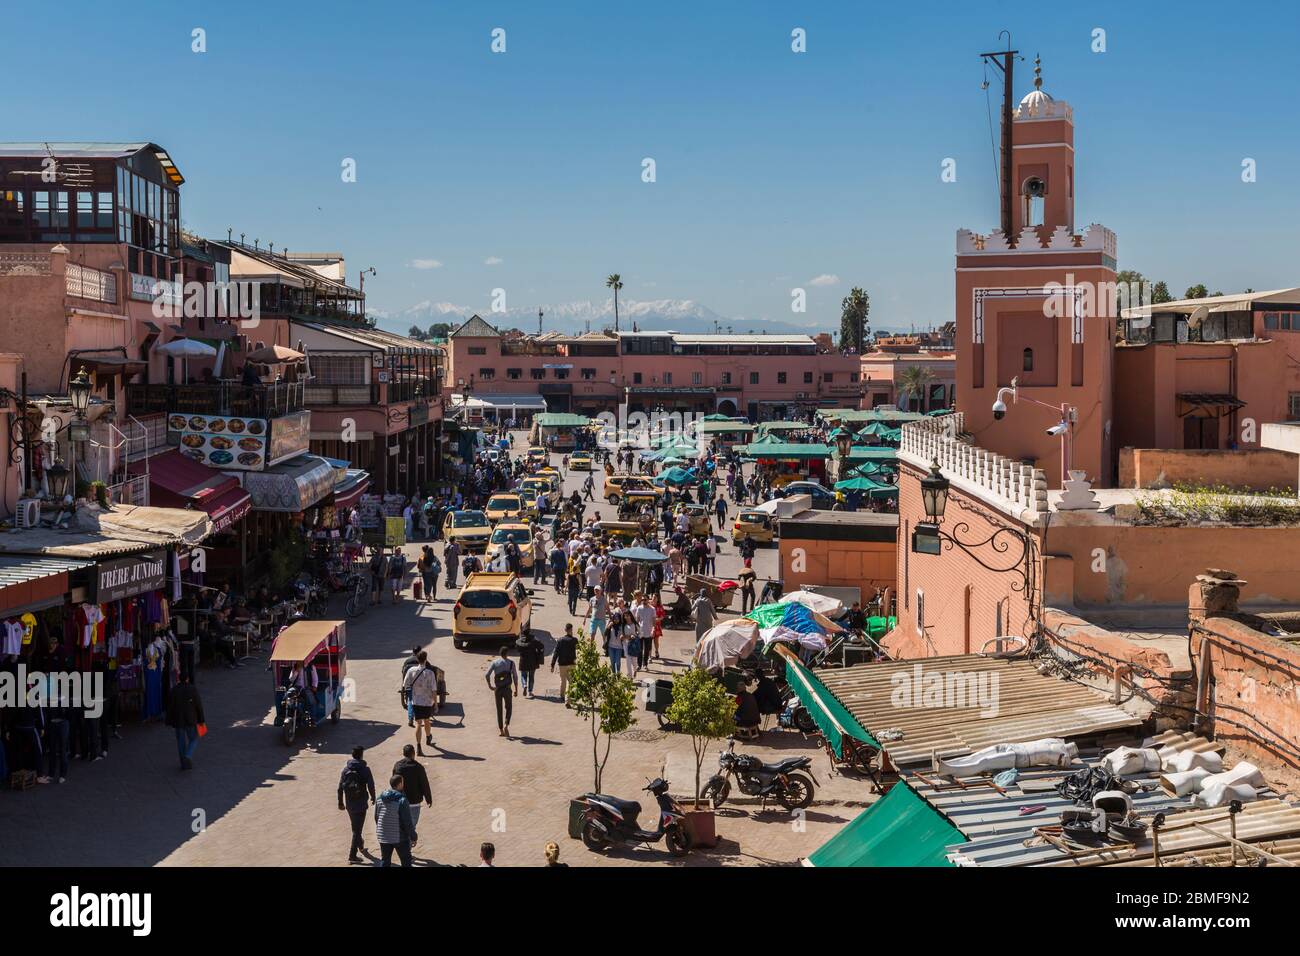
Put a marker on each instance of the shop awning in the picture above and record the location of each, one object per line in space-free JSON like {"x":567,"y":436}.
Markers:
{"x":562,"y":420}
{"x":1210,"y":404}
{"x":27,"y":581}
{"x":899,"y":829}
{"x":831,"y":717}
{"x":521,"y":402}
{"x":177,"y":481}
{"x":349,"y":491}
{"x":292,"y":486}
{"x":110,"y":364}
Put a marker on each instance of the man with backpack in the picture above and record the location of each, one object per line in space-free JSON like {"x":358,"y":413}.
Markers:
{"x":503,"y":678}
{"x":565,"y":656}
{"x":421,"y":686}
{"x":356,"y":793}
{"x":416,"y":787}
{"x":378,"y":572}
{"x":396,"y":572}
{"x":393,"y":824}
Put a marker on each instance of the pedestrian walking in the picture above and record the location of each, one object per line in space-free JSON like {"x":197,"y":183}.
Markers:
{"x":532,"y":654}
{"x":421,"y":685}
{"x":720,"y":509}
{"x":503,"y":679}
{"x":356,"y":793}
{"x":185,"y":715}
{"x":486,"y":854}
{"x":451,"y":558}
{"x":615,"y":639}
{"x":704,"y":614}
{"x":574,"y":587}
{"x":394,"y":826}
{"x":644,"y":613}
{"x":552,"y":853}
{"x":415,"y":783}
{"x":598,"y":611}
{"x":564,"y":657}
{"x":378,"y":573}
{"x":412,"y":661}
{"x":396,"y":574}
{"x":746,"y":579}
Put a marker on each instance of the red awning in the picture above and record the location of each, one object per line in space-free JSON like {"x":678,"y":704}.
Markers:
{"x":227,"y":508}
{"x":348,"y":497}
{"x":177,"y":481}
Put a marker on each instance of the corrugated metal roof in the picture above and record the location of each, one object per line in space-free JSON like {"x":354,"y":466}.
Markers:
{"x":21,"y":569}
{"x":1029,"y":706}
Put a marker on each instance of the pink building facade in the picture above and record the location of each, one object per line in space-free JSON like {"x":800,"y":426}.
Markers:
{"x":762,"y":377}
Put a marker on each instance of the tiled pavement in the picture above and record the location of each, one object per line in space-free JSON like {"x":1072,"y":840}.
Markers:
{"x":252,"y":801}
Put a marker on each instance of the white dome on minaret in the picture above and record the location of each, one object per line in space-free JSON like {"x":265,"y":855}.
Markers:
{"x":1037,"y":102}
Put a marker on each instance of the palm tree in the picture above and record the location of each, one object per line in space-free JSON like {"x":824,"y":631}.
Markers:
{"x":615,"y":282}
{"x":914,"y":381}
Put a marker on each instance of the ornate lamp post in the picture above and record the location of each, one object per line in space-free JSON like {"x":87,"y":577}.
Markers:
{"x":927,"y":538}
{"x":79,"y":392}
{"x":843,"y":439}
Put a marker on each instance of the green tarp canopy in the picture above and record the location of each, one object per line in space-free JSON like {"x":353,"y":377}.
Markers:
{"x":899,"y":829}
{"x":861,"y":453}
{"x":767,"y":427}
{"x":833,"y":720}
{"x":869,"y":415}
{"x":785,"y":450}
{"x":562,"y":420}
{"x":707,"y":427}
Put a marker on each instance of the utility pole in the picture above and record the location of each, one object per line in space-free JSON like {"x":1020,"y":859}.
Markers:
{"x":1004,"y":60}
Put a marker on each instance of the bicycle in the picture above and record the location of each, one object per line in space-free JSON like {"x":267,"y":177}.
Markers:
{"x":358,"y":594}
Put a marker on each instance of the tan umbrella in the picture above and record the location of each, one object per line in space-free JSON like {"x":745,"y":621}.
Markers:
{"x":273,"y":354}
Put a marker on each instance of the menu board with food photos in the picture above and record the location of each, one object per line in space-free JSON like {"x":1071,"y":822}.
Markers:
{"x":221,"y":441}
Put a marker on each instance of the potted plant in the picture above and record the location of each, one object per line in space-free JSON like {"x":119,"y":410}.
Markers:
{"x":605,"y":699}
{"x":703,"y":709}
{"x":100,"y":491}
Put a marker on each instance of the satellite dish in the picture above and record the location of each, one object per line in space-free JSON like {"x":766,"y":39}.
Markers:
{"x":1199,"y":315}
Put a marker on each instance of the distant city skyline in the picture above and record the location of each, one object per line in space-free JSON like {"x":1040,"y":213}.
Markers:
{"x":774,"y":170}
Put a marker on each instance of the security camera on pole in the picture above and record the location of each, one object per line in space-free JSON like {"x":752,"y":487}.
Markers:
{"x":1063,"y":429}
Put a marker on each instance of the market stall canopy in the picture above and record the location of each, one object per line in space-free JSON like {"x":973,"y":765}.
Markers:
{"x":349,"y":489}
{"x":765,"y":428}
{"x":676,"y":476}
{"x":716,"y":417}
{"x":640,"y":555}
{"x":899,"y":829}
{"x":723,"y":645}
{"x":274,"y":355}
{"x":562,"y":420}
{"x":123,"y":529}
{"x":785,"y":451}
{"x":821,"y":603}
{"x":715,"y":427}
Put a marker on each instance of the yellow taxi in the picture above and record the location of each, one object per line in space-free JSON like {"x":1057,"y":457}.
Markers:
{"x":469,"y":529}
{"x":543,"y":489}
{"x":617,"y":485}
{"x":504,"y":507}
{"x":580,"y":461}
{"x":521,"y":534}
{"x":698,"y":518}
{"x":532,"y":502}
{"x":491,"y":606}
{"x":758,"y":526}
{"x":536,"y":455}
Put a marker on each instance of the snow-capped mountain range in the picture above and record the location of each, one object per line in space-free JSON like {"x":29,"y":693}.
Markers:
{"x":679,"y":315}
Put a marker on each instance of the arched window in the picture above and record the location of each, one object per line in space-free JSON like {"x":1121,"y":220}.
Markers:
{"x":1027,"y":362}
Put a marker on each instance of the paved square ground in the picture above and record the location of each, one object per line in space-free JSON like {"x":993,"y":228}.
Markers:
{"x":253,"y":801}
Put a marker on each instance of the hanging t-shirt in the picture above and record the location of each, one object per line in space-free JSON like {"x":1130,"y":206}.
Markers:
{"x":11,"y":639}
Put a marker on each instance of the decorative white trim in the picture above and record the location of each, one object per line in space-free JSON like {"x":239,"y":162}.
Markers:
{"x":1073,"y":293}
{"x":1041,"y":146}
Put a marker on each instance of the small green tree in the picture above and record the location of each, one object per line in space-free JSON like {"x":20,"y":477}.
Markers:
{"x":604,"y":698}
{"x":703,"y":709}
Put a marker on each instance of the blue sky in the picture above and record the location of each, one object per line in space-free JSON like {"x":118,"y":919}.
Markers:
{"x":772,"y":167}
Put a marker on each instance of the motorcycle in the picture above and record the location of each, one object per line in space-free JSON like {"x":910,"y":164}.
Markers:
{"x":786,"y":780}
{"x":609,"y":821}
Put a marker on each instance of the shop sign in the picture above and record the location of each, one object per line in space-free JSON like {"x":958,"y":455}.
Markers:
{"x":222,"y":441}
{"x":394,"y":532}
{"x":124,"y":577}
{"x":290,"y":437}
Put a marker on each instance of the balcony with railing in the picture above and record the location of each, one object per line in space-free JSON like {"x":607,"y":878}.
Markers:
{"x":342,"y":394}
{"x":222,"y":398}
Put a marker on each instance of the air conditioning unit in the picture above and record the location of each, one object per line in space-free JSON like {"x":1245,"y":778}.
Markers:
{"x":29,"y":513}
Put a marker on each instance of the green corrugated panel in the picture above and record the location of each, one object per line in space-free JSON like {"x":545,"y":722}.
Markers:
{"x":821,"y":703}
{"x":899,"y":829}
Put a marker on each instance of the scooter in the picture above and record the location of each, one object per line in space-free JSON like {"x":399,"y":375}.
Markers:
{"x":609,"y":821}
{"x":789,"y":780}
{"x":795,"y":716}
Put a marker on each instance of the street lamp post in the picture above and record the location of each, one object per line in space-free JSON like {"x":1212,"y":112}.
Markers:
{"x":927,"y":538}
{"x":79,"y":392}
